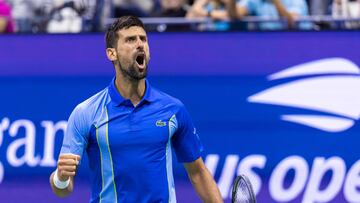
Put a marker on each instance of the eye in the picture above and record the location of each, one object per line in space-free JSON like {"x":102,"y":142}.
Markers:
{"x":131,"y":39}
{"x":144,"y":39}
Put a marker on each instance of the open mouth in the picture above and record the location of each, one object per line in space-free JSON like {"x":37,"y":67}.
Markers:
{"x":140,"y":60}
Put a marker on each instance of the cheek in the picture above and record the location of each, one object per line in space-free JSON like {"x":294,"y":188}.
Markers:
{"x":123,"y":61}
{"x":148,"y":56}
{"x":124,"y":55}
{"x":147,"y":50}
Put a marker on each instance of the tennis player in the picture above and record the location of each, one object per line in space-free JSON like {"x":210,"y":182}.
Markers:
{"x":128,"y":130}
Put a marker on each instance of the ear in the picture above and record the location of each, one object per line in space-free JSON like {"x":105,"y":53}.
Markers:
{"x":111,"y":54}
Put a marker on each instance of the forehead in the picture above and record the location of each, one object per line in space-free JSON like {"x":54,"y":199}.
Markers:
{"x":131,"y":31}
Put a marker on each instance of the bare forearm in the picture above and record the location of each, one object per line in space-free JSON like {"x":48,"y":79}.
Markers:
{"x":281,"y":9}
{"x":284,"y":13}
{"x":219,"y":15}
{"x":231,"y":9}
{"x":200,"y":3}
{"x":206,"y":187}
{"x":203,"y":181}
{"x":241,"y":11}
{"x":197,"y":10}
{"x":3,"y":23}
{"x":61,"y":192}
{"x":64,"y":174}
{"x":228,"y":13}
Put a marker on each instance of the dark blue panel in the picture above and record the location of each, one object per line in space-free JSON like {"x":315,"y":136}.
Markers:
{"x":175,"y":53}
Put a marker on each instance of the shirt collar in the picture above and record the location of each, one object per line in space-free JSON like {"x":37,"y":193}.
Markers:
{"x":118,"y":99}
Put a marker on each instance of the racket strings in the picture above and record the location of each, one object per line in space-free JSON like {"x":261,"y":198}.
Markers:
{"x":242,"y":191}
{"x":243,"y":194}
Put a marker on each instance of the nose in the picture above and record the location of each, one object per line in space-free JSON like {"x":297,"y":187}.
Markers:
{"x":140,"y":44}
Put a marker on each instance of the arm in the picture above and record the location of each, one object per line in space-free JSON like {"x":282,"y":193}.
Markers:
{"x":284,"y":13}
{"x":197,"y":10}
{"x":241,"y":11}
{"x":230,"y":8}
{"x":230,"y":11}
{"x":66,"y":170}
{"x":3,"y":23}
{"x":243,"y":8}
{"x":219,"y":15}
{"x":203,"y":182}
{"x":74,"y":143}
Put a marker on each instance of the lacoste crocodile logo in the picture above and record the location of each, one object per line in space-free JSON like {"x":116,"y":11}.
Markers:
{"x":160,"y":123}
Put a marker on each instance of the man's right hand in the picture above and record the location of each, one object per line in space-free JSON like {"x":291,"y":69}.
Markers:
{"x":67,"y":165}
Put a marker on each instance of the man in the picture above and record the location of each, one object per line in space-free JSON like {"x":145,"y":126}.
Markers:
{"x":237,"y":9}
{"x":128,"y":130}
{"x":215,"y":9}
{"x":6,"y":21}
{"x":287,"y":9}
{"x":171,"y":8}
{"x":218,"y":10}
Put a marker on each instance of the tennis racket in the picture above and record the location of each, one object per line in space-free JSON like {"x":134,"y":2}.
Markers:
{"x":242,"y":191}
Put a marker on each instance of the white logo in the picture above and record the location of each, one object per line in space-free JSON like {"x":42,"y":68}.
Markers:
{"x":328,"y":88}
{"x":29,"y":157}
{"x":307,"y":185}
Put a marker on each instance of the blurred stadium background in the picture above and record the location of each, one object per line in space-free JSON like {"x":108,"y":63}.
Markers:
{"x":272,"y":85}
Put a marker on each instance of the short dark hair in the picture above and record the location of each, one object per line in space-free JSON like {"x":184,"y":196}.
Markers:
{"x":123,"y":22}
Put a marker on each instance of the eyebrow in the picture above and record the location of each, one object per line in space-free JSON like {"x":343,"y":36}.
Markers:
{"x":132,"y":36}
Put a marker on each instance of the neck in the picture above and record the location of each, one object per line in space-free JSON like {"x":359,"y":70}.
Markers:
{"x":130,"y":89}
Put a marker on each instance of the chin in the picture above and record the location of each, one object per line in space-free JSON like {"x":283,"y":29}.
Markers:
{"x":139,"y":76}
{"x":142,"y":76}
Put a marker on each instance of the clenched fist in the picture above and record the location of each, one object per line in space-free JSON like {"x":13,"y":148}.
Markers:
{"x":67,"y":165}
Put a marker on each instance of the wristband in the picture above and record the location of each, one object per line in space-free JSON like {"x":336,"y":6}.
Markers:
{"x":58,"y":183}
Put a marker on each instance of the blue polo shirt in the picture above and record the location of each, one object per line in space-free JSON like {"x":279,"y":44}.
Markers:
{"x":129,"y":148}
